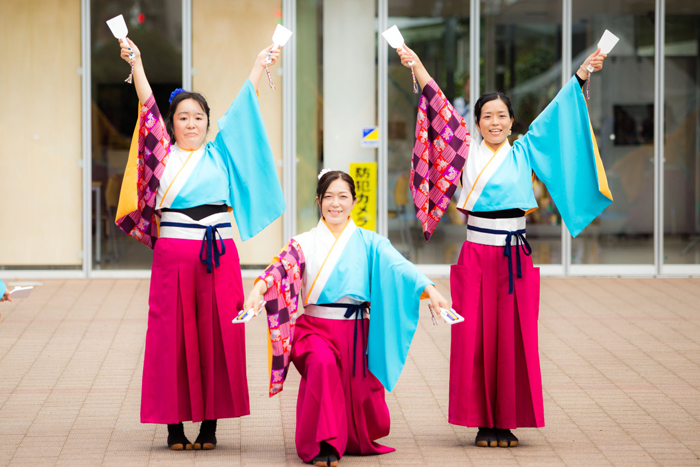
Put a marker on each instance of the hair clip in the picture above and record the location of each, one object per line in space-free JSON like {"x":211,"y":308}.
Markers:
{"x":323,"y":172}
{"x":175,"y":93}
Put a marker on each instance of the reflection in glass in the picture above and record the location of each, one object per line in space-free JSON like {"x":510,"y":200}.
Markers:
{"x":156,"y":27}
{"x":521,"y":56}
{"x":682,"y":134}
{"x":439,"y":33}
{"x":622,"y":114}
{"x":336,"y":92}
{"x":309,"y":127}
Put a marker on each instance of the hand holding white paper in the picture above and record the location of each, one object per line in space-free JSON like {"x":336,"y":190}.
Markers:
{"x":450,"y":316}
{"x":395,"y":39}
{"x":118,"y":27}
{"x":279,"y":38}
{"x":605,"y":44}
{"x":246,"y":315}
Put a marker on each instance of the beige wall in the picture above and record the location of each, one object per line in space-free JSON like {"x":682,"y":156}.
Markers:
{"x":226,"y":37}
{"x":40,"y":180}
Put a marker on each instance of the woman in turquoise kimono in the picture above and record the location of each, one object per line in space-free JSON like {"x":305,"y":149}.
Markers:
{"x":179,"y":189}
{"x":495,"y":378}
{"x":335,"y":273}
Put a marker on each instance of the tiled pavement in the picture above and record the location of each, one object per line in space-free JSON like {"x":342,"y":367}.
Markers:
{"x":620,"y":361}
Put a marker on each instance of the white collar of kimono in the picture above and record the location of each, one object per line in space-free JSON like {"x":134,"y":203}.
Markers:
{"x":322,"y":250}
{"x":178,"y":169}
{"x":481,"y":164}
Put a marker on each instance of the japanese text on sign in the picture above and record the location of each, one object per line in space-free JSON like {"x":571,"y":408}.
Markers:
{"x":365,"y":211}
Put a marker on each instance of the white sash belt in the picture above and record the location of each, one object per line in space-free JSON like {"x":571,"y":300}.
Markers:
{"x":328,"y":313}
{"x":194,"y":234}
{"x":493,"y":239}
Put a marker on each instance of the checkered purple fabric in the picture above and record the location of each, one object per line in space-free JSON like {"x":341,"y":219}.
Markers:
{"x":441,"y":148}
{"x":153,"y":151}
{"x":283,"y":279}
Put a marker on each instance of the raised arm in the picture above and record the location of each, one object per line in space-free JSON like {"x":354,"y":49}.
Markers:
{"x":260,"y":62}
{"x":407,"y":55}
{"x":595,"y":60}
{"x":143,"y":89}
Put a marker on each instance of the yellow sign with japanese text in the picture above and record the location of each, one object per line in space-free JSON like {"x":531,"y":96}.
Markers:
{"x":365,"y":211}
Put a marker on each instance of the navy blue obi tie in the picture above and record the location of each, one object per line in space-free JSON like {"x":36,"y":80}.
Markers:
{"x":520,"y":242}
{"x":358,"y":312}
{"x":209,"y":253}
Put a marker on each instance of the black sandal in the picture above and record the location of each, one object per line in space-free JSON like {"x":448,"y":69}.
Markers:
{"x":177,"y":441}
{"x":506,"y":439}
{"x":486,"y":437}
{"x":207,"y":436}
{"x":327,"y":456}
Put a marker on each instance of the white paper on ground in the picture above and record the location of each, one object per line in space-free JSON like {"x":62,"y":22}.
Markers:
{"x":118,"y":27}
{"x":395,"y":39}
{"x":21,"y":292}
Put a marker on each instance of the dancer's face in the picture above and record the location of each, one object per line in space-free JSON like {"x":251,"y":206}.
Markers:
{"x":337,"y":203}
{"x":495,"y":123}
{"x":189,"y":125}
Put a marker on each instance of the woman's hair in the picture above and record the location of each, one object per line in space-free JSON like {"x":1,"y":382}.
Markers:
{"x":197,"y":97}
{"x":328,"y":178}
{"x":488,"y":97}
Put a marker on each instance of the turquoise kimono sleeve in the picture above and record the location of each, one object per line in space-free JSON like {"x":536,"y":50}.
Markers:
{"x":3,"y":287}
{"x":254,"y":189}
{"x":395,"y":289}
{"x":561,"y":149}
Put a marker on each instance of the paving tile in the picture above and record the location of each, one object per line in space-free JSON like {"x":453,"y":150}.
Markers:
{"x":620,"y":364}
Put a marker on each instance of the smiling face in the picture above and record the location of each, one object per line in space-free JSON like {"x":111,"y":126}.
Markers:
{"x":495,"y":123}
{"x":337,"y":203}
{"x":189,"y":125}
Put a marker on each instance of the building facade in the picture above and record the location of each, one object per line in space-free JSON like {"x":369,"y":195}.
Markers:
{"x":342,"y":97}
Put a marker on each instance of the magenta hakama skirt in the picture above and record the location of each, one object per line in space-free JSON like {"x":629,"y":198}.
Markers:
{"x":348,"y":412}
{"x":195,"y":365}
{"x":495,"y":378}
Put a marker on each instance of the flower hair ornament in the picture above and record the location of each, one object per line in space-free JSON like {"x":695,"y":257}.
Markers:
{"x":175,"y":93}
{"x":324,"y":172}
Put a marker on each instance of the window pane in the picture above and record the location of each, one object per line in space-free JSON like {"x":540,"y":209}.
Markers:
{"x":622,"y":114}
{"x":682,"y":134}
{"x":439,"y":33}
{"x":156,"y":28}
{"x":239,"y":32}
{"x":521,"y":56}
{"x":336,"y":92}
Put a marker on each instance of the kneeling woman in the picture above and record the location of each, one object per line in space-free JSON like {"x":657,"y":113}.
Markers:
{"x":194,"y":367}
{"x":336,"y":271}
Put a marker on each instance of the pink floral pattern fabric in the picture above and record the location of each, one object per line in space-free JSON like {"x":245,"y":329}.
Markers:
{"x":439,"y":154}
{"x":153,"y":151}
{"x":283,"y":279}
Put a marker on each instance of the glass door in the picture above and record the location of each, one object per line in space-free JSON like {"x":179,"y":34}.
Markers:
{"x":681,"y":183}
{"x":156,"y":28}
{"x":336,"y":101}
{"x":621,"y":106}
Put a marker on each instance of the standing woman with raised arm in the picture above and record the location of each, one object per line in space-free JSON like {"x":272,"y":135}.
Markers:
{"x":495,"y":378}
{"x":195,"y":365}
